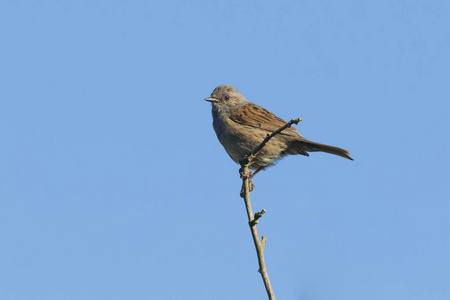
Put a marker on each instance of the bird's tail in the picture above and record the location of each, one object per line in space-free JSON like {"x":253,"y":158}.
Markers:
{"x":307,"y":146}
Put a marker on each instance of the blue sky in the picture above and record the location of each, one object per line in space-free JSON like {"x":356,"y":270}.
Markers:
{"x":113,"y":184}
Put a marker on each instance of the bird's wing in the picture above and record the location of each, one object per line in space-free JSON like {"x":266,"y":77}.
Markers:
{"x":257,"y":117}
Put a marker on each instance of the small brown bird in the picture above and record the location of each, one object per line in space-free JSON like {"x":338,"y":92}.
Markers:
{"x":241,"y":126}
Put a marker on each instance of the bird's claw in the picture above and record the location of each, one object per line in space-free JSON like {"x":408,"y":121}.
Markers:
{"x":251,"y":187}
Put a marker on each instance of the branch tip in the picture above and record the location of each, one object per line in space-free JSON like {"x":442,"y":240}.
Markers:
{"x":263,"y":241}
{"x":259,"y":214}
{"x":296,"y":121}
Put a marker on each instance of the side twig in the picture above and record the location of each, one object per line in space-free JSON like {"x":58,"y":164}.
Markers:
{"x":253,"y":219}
{"x":249,"y":157}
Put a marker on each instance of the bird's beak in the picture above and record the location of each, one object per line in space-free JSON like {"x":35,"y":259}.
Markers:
{"x":212,"y":100}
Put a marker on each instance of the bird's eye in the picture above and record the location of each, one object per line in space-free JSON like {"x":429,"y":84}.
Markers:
{"x":227,"y":97}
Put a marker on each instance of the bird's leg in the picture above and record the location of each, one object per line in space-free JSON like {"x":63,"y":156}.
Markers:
{"x":252,"y":186}
{"x":243,"y":175}
{"x":257,"y":170}
{"x":249,"y":175}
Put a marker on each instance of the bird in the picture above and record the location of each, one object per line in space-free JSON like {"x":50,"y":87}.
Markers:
{"x":241,"y":126}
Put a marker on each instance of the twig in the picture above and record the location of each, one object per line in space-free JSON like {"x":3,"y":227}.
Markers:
{"x":249,"y":157}
{"x":254,"y":218}
{"x":259,"y":245}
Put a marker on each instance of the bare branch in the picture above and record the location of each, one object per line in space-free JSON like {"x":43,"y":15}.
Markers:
{"x":258,"y":244}
{"x":253,"y":219}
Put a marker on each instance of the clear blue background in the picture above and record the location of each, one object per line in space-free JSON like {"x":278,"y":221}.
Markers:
{"x":113,"y":184}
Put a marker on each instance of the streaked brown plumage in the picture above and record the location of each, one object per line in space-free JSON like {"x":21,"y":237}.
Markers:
{"x":241,"y":126}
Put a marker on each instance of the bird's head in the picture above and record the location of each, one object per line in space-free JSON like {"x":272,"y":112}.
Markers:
{"x":226,"y":96}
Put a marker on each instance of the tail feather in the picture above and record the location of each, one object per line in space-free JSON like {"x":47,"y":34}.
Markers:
{"x":309,"y":146}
